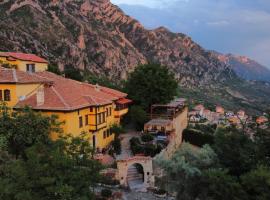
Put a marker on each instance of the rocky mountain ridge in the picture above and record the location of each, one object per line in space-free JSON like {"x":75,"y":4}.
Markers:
{"x":97,"y":36}
{"x":246,"y":67}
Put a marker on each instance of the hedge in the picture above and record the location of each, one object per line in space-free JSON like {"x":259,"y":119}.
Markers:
{"x":197,"y":138}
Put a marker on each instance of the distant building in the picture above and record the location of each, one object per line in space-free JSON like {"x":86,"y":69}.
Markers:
{"x":233,"y":120}
{"x":199,"y":109}
{"x":261,"y":120}
{"x":220,"y":110}
{"x":241,"y":114}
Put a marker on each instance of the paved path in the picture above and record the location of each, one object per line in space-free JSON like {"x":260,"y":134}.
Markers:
{"x":125,"y":145}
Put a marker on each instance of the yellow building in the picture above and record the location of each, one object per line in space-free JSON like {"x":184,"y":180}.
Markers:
{"x":23,"y":62}
{"x":83,"y":107}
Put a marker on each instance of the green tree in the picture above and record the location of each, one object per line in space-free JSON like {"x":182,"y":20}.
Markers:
{"x":150,"y":84}
{"x":257,"y":183}
{"x":73,"y":73}
{"x":216,"y":184}
{"x":235,"y":150}
{"x":54,"y":69}
{"x":185,"y":168}
{"x":24,"y":128}
{"x":138,"y":117}
{"x":61,"y":170}
{"x":262,"y":141}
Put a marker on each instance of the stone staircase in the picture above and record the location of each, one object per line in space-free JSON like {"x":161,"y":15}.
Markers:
{"x":135,"y":179}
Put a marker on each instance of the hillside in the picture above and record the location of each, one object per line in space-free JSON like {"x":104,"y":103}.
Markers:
{"x":96,"y":35}
{"x":246,"y":67}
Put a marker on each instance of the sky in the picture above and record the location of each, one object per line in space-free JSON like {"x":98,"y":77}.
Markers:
{"x":241,"y":27}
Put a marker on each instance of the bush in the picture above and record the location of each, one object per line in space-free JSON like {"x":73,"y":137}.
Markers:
{"x":117,"y":146}
{"x":197,"y":138}
{"x":147,"y":138}
{"x":136,"y":146}
{"x":106,"y":193}
{"x":117,"y":129}
{"x":150,"y":150}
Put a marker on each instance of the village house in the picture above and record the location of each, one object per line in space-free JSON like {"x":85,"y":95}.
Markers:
{"x":220,"y":110}
{"x":261,"y":120}
{"x":199,"y":109}
{"x":83,"y":107}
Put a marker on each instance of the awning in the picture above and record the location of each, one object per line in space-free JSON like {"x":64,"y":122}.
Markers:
{"x":124,"y":101}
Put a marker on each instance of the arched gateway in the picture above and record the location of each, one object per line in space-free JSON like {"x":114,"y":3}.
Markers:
{"x":136,"y":170}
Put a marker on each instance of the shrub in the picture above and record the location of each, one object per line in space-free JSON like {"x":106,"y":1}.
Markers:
{"x":106,"y":193}
{"x":117,"y":146}
{"x":150,"y":150}
{"x":117,"y":129}
{"x":197,"y":138}
{"x":147,"y":138}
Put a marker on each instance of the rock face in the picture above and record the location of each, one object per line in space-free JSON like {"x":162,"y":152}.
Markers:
{"x":245,"y":67}
{"x":97,"y":36}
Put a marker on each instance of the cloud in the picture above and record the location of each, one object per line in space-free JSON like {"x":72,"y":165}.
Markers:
{"x":218,"y":23}
{"x":149,"y":3}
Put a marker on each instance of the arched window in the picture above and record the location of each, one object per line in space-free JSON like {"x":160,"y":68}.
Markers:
{"x":7,"y":95}
{"x":1,"y":95}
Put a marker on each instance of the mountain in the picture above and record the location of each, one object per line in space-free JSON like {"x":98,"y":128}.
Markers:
{"x":246,"y":67}
{"x":97,"y":36}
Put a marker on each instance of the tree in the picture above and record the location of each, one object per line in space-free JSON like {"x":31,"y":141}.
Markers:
{"x":150,"y":84}
{"x":138,"y":117}
{"x":262,"y":141}
{"x":216,"y":184}
{"x":54,"y":69}
{"x":185,"y":169}
{"x":73,"y":73}
{"x":235,"y":150}
{"x":257,"y":183}
{"x":61,"y":170}
{"x":24,"y":128}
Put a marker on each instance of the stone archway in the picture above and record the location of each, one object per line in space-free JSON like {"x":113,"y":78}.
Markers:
{"x":123,"y":167}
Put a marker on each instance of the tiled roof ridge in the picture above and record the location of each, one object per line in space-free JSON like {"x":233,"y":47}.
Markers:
{"x":60,"y":97}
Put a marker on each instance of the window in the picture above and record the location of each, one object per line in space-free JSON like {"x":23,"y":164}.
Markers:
{"x":80,"y":122}
{"x":30,"y":68}
{"x":7,"y":95}
{"x":108,"y":133}
{"x":104,"y":134}
{"x":110,"y":111}
{"x":107,"y":111}
{"x":103,"y":117}
{"x":1,"y":95}
{"x":86,"y":120}
{"x":91,"y":109}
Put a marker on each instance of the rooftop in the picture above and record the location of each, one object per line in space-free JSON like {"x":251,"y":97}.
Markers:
{"x":23,"y":56}
{"x":16,"y":76}
{"x":66,"y":95}
{"x":159,"y":122}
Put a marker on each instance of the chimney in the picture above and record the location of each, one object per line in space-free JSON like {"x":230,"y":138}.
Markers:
{"x":40,"y":96}
{"x":97,"y":87}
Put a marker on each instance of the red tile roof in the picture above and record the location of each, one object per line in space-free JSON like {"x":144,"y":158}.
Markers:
{"x":16,"y":76}
{"x":67,"y":95}
{"x":24,"y":57}
{"x":124,"y":101}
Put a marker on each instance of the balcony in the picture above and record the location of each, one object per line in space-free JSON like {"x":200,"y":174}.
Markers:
{"x":121,"y":107}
